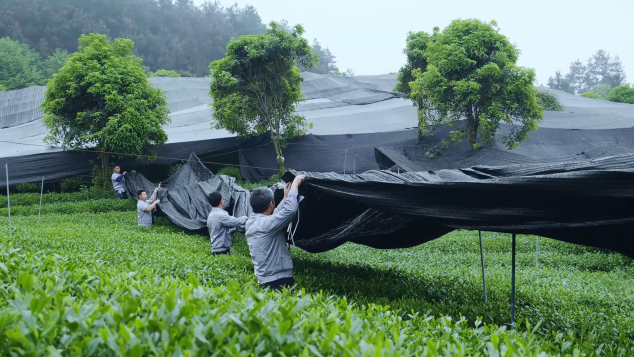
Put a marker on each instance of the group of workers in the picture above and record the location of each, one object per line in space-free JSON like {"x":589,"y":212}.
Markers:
{"x":264,"y":229}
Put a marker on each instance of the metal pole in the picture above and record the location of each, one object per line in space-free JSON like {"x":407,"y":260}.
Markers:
{"x":8,"y":198}
{"x":484,"y":280}
{"x":354,"y":165}
{"x":345,"y":154}
{"x":537,"y":253}
{"x":41,"y":194}
{"x":513,"y":285}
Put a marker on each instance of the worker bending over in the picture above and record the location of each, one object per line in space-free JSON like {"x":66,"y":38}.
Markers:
{"x":265,"y":235}
{"x":219,"y":223}
{"x":145,"y":207}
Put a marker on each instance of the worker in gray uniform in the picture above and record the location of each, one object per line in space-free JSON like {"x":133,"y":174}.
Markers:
{"x":118,"y":183}
{"x":145,"y":206}
{"x":265,"y":235}
{"x":220,"y":223}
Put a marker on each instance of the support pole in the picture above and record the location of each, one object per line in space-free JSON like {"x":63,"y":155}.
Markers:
{"x":39,"y":213}
{"x":513,"y":285}
{"x":6,"y":166}
{"x":537,"y":253}
{"x":354,"y":165}
{"x":345,"y":155}
{"x":484,"y":280}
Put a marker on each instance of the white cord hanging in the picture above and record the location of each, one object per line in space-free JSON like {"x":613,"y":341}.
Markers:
{"x":291,"y":231}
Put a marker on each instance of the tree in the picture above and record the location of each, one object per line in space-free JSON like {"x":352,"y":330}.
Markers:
{"x":469,"y":71}
{"x":622,"y":94}
{"x":601,"y":70}
{"x":54,"y":62}
{"x":101,"y":98}
{"x":164,"y":73}
{"x":600,"y":90}
{"x":19,"y":65}
{"x":256,"y":86}
{"x":327,"y":61}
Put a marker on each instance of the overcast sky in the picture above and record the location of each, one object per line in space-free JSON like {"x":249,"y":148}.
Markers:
{"x":369,"y":36}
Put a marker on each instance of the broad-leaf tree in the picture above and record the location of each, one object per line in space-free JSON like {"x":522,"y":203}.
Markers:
{"x":19,"y":65}
{"x":256,"y":87}
{"x":466,"y":77}
{"x":102,"y":99}
{"x":622,"y":94}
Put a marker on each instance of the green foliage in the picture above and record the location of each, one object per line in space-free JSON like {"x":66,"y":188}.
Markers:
{"x":602,"y":90}
{"x":30,"y":199}
{"x":327,"y":61}
{"x":29,"y":187}
{"x":469,"y":71}
{"x":75,"y":184}
{"x":164,"y":73}
{"x":251,"y":185}
{"x":231,"y":171}
{"x":590,"y":95}
{"x":622,"y":94}
{"x":173,"y":169}
{"x":90,"y":206}
{"x":19,"y":65}
{"x":54,"y":63}
{"x":178,"y":35}
{"x":102,"y":98}
{"x":256,"y":86}
{"x":94,"y":275}
{"x":548,"y":101}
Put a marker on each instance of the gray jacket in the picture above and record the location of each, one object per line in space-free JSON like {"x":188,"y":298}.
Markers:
{"x":218,"y":222}
{"x":265,"y":237}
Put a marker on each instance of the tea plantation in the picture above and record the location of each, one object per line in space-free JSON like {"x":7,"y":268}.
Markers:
{"x":86,"y":280}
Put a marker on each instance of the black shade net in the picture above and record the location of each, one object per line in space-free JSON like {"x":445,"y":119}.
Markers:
{"x":586,"y":202}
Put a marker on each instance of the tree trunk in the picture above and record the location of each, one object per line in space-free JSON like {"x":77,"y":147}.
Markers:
{"x":473,"y":124}
{"x":103,"y":157}
{"x":278,"y":153}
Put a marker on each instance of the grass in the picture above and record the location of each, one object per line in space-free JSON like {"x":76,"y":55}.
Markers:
{"x":582,"y":298}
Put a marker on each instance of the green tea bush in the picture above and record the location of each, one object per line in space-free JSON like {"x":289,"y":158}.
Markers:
{"x":231,"y":171}
{"x":93,"y":206}
{"x":584,"y":297}
{"x":590,"y":95}
{"x":49,"y":198}
{"x":548,"y":101}
{"x":622,"y":94}
{"x":28,"y":187}
{"x":75,"y":184}
{"x":54,"y":305}
{"x":251,"y":185}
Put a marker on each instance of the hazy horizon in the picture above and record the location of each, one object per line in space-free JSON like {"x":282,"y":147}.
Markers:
{"x":369,"y":37}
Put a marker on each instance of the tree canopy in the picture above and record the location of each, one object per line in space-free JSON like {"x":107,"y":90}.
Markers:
{"x":256,"y":86}
{"x":101,"y":98}
{"x":468,"y":71}
{"x":600,"y":70}
{"x":622,"y":94}
{"x":164,"y":73}
{"x":172,"y":34}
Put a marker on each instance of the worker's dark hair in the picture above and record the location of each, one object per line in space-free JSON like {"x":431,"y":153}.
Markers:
{"x":214,"y":199}
{"x":139,"y":192}
{"x":115,"y":166}
{"x":260,"y":199}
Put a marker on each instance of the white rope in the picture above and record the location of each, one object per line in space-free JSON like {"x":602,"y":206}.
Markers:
{"x":291,"y":231}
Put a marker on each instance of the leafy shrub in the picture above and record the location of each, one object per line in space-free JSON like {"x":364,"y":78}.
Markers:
{"x":75,"y":184}
{"x":93,"y":206}
{"x":115,"y":311}
{"x":590,"y":95}
{"x":173,"y":169}
{"x":165,"y":73}
{"x":28,"y":199}
{"x":622,"y":94}
{"x":231,"y":171}
{"x":251,"y":185}
{"x":29,"y":187}
{"x":602,"y":90}
{"x":548,"y":101}
{"x":107,"y":263}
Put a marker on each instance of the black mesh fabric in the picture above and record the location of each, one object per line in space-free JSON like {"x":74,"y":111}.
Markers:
{"x":585,"y":202}
{"x":184,"y":194}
